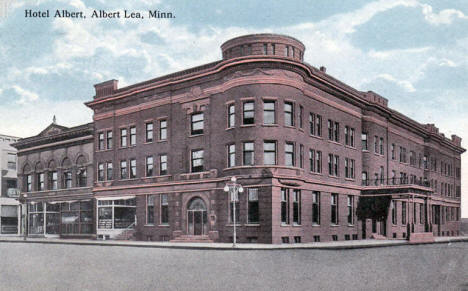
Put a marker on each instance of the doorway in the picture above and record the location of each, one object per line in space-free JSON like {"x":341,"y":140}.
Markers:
{"x":197,"y":222}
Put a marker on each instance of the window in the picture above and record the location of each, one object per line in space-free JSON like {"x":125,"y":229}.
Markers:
{"x":330,"y":129}
{"x":334,"y":208}
{"x":393,"y":151}
{"x":402,"y":155}
{"x":403,"y":212}
{"x":149,"y":209}
{"x":376,"y":146}
{"x":347,"y":133}
{"x":290,"y":155}
{"x":28,"y":183}
{"x":132,"y":135}
{"x":67,"y":179}
{"x":109,"y":140}
{"x":100,"y":172}
{"x":301,"y":115}
{"x":301,"y":156}
{"x":248,"y":112}
{"x":123,"y":137}
{"x":296,"y":207}
{"x":40,"y":182}
{"x":269,"y":153}
{"x":315,"y":159}
{"x":197,"y":161}
{"x":315,"y":124}
{"x":350,"y":209}
{"x":364,"y":141}
{"x":163,"y":129}
{"x":53,"y":180}
{"x":284,"y":206}
{"x":365,"y":181}
{"x":123,"y":170}
{"x":81,"y":177}
{"x":149,"y":132}
{"x":425,"y":162}
{"x":414,"y":213}
{"x":101,"y":141}
{"x":231,"y":159}
{"x":381,"y":145}
{"x":231,"y":115}
{"x":253,"y":210}
{"x":163,"y":164}
{"x":133,"y":172}
{"x":288,"y":114}
{"x":196,"y":123}
{"x":164,"y":209}
{"x":349,"y":136}
{"x":316,"y":208}
{"x":394,"y":212}
{"x":248,"y":153}
{"x":269,"y":112}
{"x":149,"y":166}
{"x":333,"y":165}
{"x":273,"y":49}
{"x":109,"y":170}
{"x":11,"y":161}
{"x":336,"y":131}
{"x":286,"y":51}
{"x":312,"y":160}
{"x":265,"y":49}
{"x":349,"y":168}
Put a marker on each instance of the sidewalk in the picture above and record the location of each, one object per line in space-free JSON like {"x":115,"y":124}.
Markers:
{"x":335,"y":245}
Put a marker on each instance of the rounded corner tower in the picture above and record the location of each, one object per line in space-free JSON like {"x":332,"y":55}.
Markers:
{"x":264,"y":44}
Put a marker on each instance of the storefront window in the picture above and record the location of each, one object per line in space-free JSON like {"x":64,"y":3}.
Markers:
{"x":9,"y":219}
{"x":116,"y":214}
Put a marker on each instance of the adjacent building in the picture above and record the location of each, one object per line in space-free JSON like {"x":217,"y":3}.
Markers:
{"x":318,"y":159}
{"x":9,"y":206}
{"x":55,"y":180}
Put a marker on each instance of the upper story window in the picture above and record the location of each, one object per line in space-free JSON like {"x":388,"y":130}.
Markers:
{"x":149,"y":132}
{"x":248,"y":153}
{"x":132,"y":135}
{"x":265,"y":48}
{"x":334,"y":208}
{"x":402,"y":155}
{"x":100,"y":173}
{"x":425,"y":162}
{"x":149,"y":166}
{"x":28,"y":179}
{"x":163,"y":129}
{"x":123,"y":137}
{"x":333,"y":165}
{"x":333,"y":130}
{"x":110,"y":171}
{"x":381,"y":145}
{"x":365,"y":146}
{"x":81,"y":177}
{"x":269,"y":153}
{"x":67,"y":179}
{"x":109,"y":139}
{"x":301,"y":116}
{"x":393,"y":151}
{"x":231,"y":159}
{"x":40,"y":182}
{"x":197,"y":123}
{"x":289,"y":154}
{"x":273,"y":49}
{"x":11,"y":160}
{"x":376,"y":144}
{"x":231,"y":119}
{"x":133,"y":169}
{"x":269,"y":112}
{"x":163,"y":164}
{"x":248,"y":112}
{"x":349,"y":136}
{"x":197,"y":161}
{"x":53,"y":180}
{"x":123,"y":170}
{"x":288,"y":114}
{"x":315,"y":160}
{"x":286,"y":51}
{"x":101,"y":141}
{"x":315,"y":124}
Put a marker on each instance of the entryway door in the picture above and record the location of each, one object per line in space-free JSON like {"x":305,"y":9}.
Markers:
{"x":197,"y":217}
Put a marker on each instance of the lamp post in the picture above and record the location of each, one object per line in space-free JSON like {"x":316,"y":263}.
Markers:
{"x":23,"y":198}
{"x":234,"y":189}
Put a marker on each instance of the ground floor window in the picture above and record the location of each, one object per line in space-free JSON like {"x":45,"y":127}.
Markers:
{"x":44,"y":218}
{"x":77,"y":217}
{"x":116,"y":214}
{"x":9,"y":219}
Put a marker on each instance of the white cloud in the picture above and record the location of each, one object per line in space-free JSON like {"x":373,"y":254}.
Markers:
{"x":26,"y":96}
{"x":445,"y":16}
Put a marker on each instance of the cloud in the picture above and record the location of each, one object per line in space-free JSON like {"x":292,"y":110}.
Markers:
{"x":26,"y":96}
{"x":445,"y":16}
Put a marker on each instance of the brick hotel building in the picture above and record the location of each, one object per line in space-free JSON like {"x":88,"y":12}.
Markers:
{"x":318,"y":160}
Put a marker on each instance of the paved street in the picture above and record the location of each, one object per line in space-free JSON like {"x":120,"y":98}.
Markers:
{"x":75,"y":267}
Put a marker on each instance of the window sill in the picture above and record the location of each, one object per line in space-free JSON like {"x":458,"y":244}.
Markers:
{"x":315,"y":173}
{"x":316,"y":136}
{"x":315,"y":225}
{"x":297,"y":225}
{"x":248,"y":125}
{"x":230,"y":128}
{"x":270,"y":125}
{"x":162,"y":140}
{"x":366,"y":151}
{"x":103,"y":151}
{"x":289,"y":126}
{"x":334,"y":142}
{"x":350,"y":147}
{"x":252,"y":224}
{"x":195,"y":135}
{"x":164,"y":225}
{"x":350,"y":225}
{"x":129,"y":179}
{"x":334,"y":225}
{"x":237,"y":224}
{"x":334,"y":177}
{"x":148,"y":142}
{"x":149,"y":224}
{"x":350,"y":179}
{"x":284,"y":224}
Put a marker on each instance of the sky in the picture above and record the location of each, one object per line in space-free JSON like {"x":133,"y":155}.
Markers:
{"x":413,"y":52}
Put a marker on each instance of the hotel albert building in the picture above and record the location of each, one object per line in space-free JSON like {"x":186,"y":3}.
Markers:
{"x":318,"y":160}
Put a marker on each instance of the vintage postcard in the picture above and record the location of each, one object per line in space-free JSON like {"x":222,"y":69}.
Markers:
{"x":233,"y":145}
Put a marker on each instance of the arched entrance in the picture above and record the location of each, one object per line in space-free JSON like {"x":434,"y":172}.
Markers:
{"x":197,"y":222}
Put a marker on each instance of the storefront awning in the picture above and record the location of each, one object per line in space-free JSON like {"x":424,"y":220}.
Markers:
{"x":115,"y":198}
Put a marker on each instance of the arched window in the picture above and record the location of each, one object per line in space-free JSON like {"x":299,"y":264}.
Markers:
{"x":81,"y":173}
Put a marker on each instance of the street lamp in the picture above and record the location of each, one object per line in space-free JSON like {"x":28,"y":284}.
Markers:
{"x":234,"y":189}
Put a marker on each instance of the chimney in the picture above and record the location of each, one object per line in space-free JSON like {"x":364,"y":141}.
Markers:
{"x":323,"y":69}
{"x":106,"y":88}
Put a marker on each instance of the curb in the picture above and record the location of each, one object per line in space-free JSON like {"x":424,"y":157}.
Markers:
{"x":229,"y":247}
